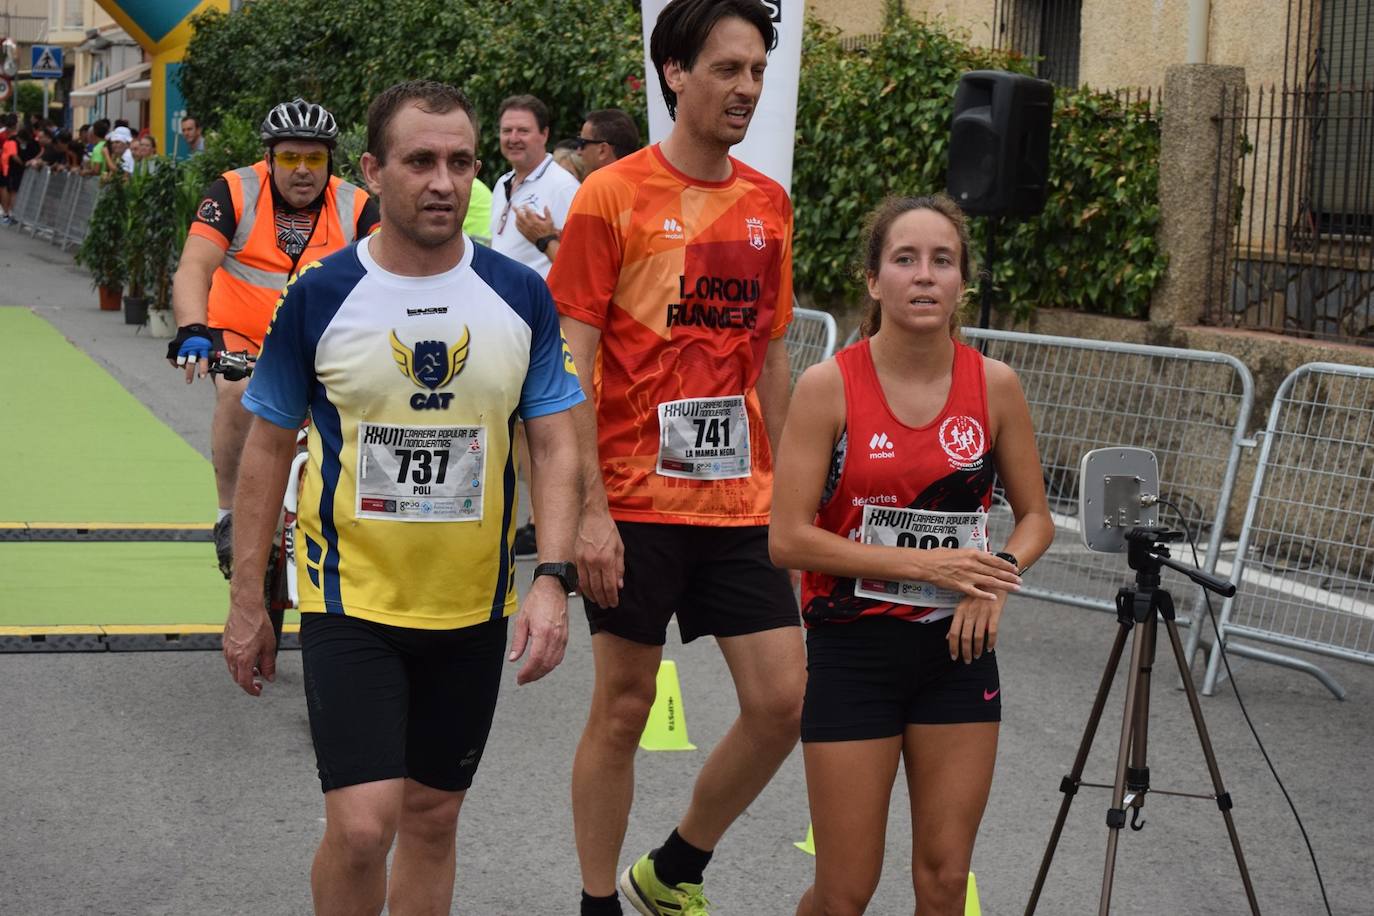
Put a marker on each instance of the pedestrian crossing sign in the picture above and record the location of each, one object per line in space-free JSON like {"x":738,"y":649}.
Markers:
{"x":47,"y":62}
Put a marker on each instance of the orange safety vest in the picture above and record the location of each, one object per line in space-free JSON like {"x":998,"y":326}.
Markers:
{"x":244,"y":290}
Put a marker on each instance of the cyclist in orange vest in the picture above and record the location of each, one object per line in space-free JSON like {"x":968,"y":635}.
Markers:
{"x":249,"y":237}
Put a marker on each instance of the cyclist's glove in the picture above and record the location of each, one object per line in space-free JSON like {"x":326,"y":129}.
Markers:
{"x":192,"y":343}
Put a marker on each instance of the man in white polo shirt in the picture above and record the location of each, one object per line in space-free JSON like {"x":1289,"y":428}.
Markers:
{"x":535,"y":188}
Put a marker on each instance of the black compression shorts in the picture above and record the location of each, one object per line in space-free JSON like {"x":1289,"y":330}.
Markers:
{"x":388,"y":702}
{"x":872,"y":677}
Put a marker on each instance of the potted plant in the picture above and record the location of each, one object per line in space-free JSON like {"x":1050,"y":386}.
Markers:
{"x":162,"y":234}
{"x":102,"y":250}
{"x":137,"y":266}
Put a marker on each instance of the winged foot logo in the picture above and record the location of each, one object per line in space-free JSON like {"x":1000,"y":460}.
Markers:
{"x":431,"y":364}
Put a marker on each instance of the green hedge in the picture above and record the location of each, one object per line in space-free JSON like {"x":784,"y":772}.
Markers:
{"x":876,"y":122}
{"x":868,"y":123}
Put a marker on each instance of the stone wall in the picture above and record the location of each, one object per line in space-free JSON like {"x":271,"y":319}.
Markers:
{"x":1125,"y":43}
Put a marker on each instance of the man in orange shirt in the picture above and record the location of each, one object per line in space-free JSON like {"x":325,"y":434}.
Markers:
{"x":254,"y":229}
{"x":675,"y":281}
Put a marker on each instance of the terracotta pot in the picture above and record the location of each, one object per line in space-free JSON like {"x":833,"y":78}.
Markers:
{"x":109,"y":298}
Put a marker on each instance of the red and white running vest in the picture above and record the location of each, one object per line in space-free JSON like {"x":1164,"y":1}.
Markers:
{"x":943,"y":466}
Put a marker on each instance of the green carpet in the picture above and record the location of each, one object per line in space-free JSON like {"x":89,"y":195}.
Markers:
{"x":79,"y":448}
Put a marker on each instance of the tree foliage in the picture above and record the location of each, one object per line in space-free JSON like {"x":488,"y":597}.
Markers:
{"x":28,"y":99}
{"x":575,"y":55}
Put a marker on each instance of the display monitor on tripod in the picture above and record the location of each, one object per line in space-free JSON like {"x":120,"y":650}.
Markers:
{"x":1118,"y":510}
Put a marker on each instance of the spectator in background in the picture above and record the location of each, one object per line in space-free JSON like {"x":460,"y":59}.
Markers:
{"x":607,"y":134}
{"x":190,"y":132}
{"x":95,"y":161}
{"x":57,"y":156}
{"x":33,"y":155}
{"x":565,"y":154}
{"x":11,"y":166}
{"x":145,"y":153}
{"x":29,"y":147}
{"x":529,"y":204}
{"x":117,"y":149}
{"x":477,"y":224}
{"x":534,"y":187}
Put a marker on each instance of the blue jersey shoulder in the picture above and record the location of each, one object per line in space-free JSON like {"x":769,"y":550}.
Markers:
{"x":519,"y":286}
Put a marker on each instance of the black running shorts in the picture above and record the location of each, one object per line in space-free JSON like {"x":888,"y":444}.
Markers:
{"x":718,"y":581}
{"x":389,"y":702}
{"x":872,"y":677}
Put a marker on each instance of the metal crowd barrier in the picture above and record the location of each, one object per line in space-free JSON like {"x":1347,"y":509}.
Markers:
{"x":32,"y":189}
{"x":1189,"y":407}
{"x":83,"y":208}
{"x":56,"y":205}
{"x":1305,"y":561}
{"x":810,"y":339}
{"x":54,"y":196}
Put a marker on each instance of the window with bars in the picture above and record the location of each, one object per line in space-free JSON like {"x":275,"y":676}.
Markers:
{"x":1339,"y":92}
{"x":1046,"y":31}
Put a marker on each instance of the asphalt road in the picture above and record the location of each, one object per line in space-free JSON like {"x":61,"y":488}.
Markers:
{"x":146,"y":783}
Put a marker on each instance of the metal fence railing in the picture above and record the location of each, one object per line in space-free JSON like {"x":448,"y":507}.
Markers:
{"x":56,"y":206}
{"x":1189,"y":407}
{"x":1295,"y":196}
{"x":32,"y":189}
{"x":1305,"y":561}
{"x":1048,"y":32}
{"x":810,"y":339}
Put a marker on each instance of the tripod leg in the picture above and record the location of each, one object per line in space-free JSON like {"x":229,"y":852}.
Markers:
{"x":1069,"y":784}
{"x":1116,"y":815}
{"x":1138,"y":771}
{"x":1223,"y":797}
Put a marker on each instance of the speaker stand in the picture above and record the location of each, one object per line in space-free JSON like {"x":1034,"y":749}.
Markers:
{"x":985,"y":294}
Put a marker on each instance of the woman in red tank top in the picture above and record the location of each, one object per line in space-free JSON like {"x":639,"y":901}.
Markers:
{"x":891,"y":445}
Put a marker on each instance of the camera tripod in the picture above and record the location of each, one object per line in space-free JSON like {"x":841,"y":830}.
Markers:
{"x":1140,"y":608}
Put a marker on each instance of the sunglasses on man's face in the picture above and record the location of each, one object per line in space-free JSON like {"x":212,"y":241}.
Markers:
{"x":289,"y":160}
{"x":581,"y":143}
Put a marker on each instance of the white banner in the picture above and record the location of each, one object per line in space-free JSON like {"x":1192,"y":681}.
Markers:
{"x":768,"y":145}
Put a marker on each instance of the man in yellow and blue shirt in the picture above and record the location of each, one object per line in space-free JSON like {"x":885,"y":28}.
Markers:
{"x":414,"y":352}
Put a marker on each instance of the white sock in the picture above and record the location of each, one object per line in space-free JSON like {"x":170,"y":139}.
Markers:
{"x":222,"y":512}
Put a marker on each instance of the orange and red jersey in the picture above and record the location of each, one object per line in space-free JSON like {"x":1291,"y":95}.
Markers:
{"x":944,"y":466}
{"x":688,"y":282}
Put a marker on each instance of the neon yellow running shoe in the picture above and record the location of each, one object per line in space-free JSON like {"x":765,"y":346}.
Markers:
{"x":650,"y":896}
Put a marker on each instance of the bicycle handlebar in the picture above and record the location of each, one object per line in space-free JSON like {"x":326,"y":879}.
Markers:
{"x":233,"y":365}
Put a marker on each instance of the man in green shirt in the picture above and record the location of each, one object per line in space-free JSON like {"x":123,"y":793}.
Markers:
{"x":478,"y":222}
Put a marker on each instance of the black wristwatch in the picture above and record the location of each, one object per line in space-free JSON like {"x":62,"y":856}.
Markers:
{"x":1010,"y":558}
{"x":565,"y":573}
{"x":543,"y":242}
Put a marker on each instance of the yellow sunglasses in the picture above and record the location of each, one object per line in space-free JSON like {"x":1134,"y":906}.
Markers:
{"x":289,"y":160}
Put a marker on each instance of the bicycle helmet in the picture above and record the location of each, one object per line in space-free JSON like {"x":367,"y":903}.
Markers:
{"x":300,"y":120}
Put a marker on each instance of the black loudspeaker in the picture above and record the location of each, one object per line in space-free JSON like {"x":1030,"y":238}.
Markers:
{"x":999,"y":143}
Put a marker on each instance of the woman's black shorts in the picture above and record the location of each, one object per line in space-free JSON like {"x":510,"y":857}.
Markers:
{"x":388,"y":702}
{"x":872,"y":677}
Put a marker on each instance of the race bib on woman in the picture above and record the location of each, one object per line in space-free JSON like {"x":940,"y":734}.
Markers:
{"x":921,"y":529}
